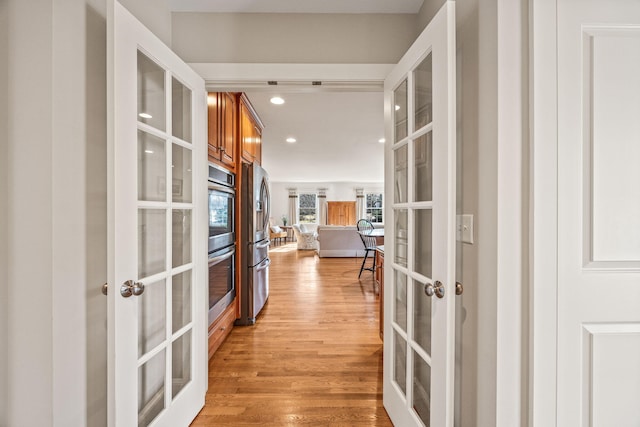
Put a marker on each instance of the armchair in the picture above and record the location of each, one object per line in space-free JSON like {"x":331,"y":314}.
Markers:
{"x":276,"y":233}
{"x":306,"y":239}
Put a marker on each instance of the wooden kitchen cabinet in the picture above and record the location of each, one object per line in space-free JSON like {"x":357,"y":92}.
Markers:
{"x":223,"y":119}
{"x":379,"y":277}
{"x":341,"y":213}
{"x":250,"y":132}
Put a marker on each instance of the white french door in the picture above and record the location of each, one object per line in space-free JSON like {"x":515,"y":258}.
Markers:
{"x":157,"y":371}
{"x":420,"y":158}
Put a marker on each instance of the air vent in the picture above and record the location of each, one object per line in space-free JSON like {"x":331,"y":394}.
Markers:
{"x":316,"y":83}
{"x":272,"y":83}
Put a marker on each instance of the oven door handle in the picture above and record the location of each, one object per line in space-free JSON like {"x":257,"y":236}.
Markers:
{"x":218,"y":259}
{"x":221,"y":188}
{"x":264,"y":264}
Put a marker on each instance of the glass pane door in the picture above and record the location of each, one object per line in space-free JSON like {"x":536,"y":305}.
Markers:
{"x":164,"y":238}
{"x":420,"y":174}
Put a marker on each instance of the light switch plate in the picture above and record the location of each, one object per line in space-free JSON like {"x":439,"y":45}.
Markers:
{"x":464,"y":228}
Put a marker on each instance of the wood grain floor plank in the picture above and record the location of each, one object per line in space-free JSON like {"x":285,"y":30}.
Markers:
{"x":313,"y":358}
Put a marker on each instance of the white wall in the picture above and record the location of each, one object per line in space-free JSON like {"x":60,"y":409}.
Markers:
{"x":292,"y":38}
{"x":335,"y":191}
{"x":53,"y":174}
{"x":154,"y":14}
{"x":4,"y":61}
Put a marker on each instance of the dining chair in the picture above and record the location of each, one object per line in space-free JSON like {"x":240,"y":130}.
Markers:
{"x":365,"y":227}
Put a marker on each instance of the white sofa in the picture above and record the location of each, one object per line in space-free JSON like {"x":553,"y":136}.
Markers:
{"x":339,"y":241}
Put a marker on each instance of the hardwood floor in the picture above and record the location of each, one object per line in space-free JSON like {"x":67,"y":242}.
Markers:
{"x":313,"y":358}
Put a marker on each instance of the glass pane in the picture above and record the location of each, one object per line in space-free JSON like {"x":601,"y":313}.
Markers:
{"x":423,"y":172}
{"x":181,"y":363}
{"x":151,"y":241}
{"x":400,"y":301}
{"x":181,"y":239}
{"x":400,"y":362}
{"x":423,"y":93}
{"x":181,"y":300}
{"x":151,"y":389}
{"x":401,"y":165}
{"x":151,"y":168}
{"x":308,"y":208}
{"x":151,"y":93}
{"x":152,"y":317}
{"x":422,"y":389}
{"x":180,"y":110}
{"x":422,"y":317}
{"x":422,"y":244}
{"x":181,"y":174}
{"x":401,"y":224}
{"x":400,"y":112}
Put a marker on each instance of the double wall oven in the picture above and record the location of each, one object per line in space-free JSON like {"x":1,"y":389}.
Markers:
{"x":222,"y":236}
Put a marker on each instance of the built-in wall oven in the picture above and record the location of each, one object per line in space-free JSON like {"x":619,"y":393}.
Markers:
{"x":222,"y":236}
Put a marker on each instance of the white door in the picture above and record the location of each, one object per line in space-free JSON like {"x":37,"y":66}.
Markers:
{"x":157,"y":242}
{"x":419,"y":297}
{"x":598,"y":309}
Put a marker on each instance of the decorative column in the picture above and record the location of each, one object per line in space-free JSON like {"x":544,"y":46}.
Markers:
{"x":293,"y":205}
{"x":322,"y":206}
{"x":361,"y":208}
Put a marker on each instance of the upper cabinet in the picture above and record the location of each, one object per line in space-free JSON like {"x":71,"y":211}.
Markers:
{"x":250,"y":132}
{"x":223,"y":121}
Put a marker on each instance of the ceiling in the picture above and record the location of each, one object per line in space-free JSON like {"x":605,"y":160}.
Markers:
{"x":297,"y":6}
{"x":337,"y":132}
{"x":337,"y":136}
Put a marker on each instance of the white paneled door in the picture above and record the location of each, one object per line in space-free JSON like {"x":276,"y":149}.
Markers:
{"x":420,"y":158}
{"x":598,"y":308}
{"x":157,"y":242}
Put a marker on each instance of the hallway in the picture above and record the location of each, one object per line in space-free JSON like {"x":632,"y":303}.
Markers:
{"x":314,"y":356}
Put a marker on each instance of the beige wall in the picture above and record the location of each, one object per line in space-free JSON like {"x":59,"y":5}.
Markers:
{"x":53,"y":186}
{"x":292,"y":38}
{"x":154,"y":14}
{"x":4,"y":61}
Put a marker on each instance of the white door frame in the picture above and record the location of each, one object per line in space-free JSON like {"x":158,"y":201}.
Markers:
{"x":544,"y":214}
{"x":510,"y":378}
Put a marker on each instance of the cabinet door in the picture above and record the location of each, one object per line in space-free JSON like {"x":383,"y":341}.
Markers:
{"x":257,"y":138}
{"x":228,"y":118}
{"x":246,"y":139}
{"x":214,"y":127}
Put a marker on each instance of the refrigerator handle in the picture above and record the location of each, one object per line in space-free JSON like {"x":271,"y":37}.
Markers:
{"x":264,"y":264}
{"x":263,"y":245}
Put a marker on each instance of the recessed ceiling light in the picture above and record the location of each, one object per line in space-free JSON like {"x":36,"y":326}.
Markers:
{"x":148,"y":151}
{"x":397,"y":107}
{"x":145,"y":115}
{"x":291,"y":140}
{"x":382,"y":140}
{"x":277,"y":100}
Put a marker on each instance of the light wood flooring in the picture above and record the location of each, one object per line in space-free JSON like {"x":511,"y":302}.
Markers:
{"x":314,"y":357}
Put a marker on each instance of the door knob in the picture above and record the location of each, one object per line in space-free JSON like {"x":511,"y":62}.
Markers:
{"x":105,"y":289}
{"x":130,"y":287}
{"x":436,"y":288}
{"x":459,"y":288}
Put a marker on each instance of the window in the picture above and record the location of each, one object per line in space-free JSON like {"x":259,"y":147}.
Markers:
{"x":374,"y":208}
{"x":308,"y":208}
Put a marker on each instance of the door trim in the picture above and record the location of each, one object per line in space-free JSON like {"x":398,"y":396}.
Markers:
{"x":544,"y":214}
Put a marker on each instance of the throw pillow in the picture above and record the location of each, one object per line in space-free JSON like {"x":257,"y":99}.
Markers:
{"x":276,"y":229}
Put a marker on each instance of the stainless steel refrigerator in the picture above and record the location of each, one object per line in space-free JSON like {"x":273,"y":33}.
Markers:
{"x":255,"y":260}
